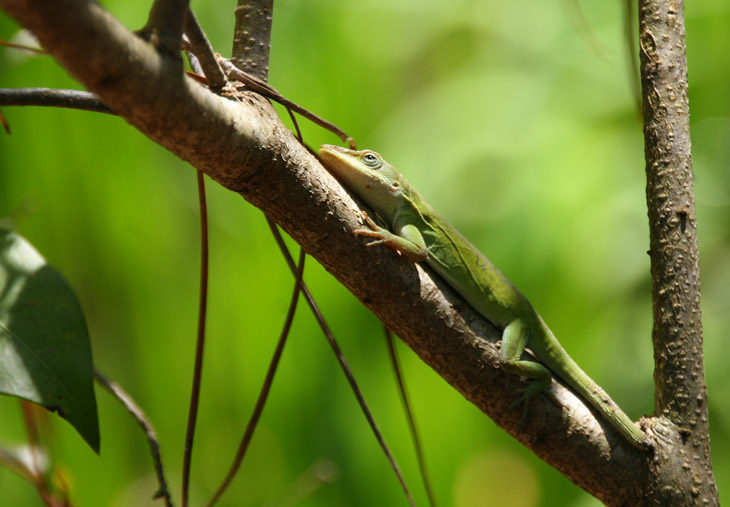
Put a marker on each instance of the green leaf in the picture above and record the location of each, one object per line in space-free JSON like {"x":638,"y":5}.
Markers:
{"x":45,"y":354}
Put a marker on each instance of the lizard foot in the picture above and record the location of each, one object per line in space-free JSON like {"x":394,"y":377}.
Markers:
{"x":532,"y":390}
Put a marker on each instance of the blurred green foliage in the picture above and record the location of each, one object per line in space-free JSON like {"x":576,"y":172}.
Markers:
{"x":519,"y":123}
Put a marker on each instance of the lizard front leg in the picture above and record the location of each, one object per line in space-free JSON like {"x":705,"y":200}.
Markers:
{"x":408,"y":241}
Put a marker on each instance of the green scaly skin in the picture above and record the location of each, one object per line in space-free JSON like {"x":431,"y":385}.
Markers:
{"x":421,"y":234}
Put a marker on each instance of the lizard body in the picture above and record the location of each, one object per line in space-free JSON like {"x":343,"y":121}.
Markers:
{"x":421,"y":234}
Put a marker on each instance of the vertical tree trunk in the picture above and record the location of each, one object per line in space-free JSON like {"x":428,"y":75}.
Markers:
{"x":681,"y":394}
{"x":252,"y":37}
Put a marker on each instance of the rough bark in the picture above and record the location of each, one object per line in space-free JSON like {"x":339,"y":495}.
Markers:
{"x":681,"y":394}
{"x":252,"y":37}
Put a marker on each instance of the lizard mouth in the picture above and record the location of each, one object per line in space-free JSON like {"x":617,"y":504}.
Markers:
{"x":334,"y":157}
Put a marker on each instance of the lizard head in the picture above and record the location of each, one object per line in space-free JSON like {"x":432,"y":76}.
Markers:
{"x":366,"y":174}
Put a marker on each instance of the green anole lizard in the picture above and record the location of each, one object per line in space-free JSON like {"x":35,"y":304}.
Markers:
{"x":421,"y":234}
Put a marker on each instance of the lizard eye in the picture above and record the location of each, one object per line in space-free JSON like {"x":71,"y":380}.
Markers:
{"x":371,"y":160}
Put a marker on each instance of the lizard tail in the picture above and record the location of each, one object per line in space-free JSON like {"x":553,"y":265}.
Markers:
{"x":563,"y":365}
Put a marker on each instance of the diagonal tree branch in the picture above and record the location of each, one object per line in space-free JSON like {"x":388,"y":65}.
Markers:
{"x":244,"y":147}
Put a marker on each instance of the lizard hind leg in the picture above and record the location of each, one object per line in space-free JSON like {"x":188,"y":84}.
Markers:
{"x":514,"y":340}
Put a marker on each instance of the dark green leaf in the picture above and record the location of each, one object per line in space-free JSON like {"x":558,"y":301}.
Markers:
{"x":45,"y":354}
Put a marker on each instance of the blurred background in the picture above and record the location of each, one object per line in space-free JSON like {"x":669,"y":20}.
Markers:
{"x":518,"y":120}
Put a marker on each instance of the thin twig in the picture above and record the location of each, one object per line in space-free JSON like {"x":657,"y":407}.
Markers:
{"x":201,"y":47}
{"x":269,"y":91}
{"x":197,"y":74}
{"x":296,"y":125}
{"x":39,"y":476}
{"x":199,"y":342}
{"x":144,"y":423}
{"x":71,"y":99}
{"x":343,"y":363}
{"x":4,"y":123}
{"x":264,"y":393}
{"x":632,"y":54}
{"x":31,"y":427}
{"x":320,"y":472}
{"x":418,"y":446}
{"x":23,"y":47}
{"x":576,"y":16}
